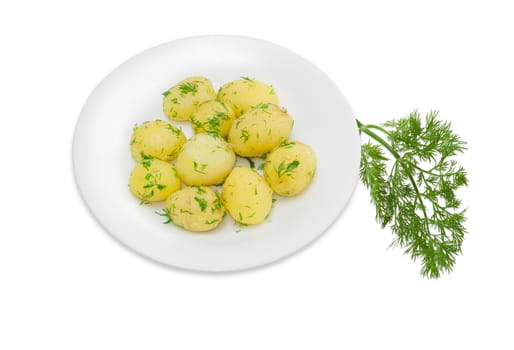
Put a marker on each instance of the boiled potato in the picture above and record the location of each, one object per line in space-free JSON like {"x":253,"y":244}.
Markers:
{"x":242,"y":95}
{"x":156,"y":139}
{"x":205,"y":159}
{"x":290,"y":168}
{"x":246,"y":196}
{"x":213,"y":116}
{"x":195,"y":208}
{"x":181,"y":100}
{"x":260,"y":130}
{"x":153,"y":180}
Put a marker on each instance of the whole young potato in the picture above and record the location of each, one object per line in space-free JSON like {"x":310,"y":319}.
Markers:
{"x":213,"y":116}
{"x":182,"y":99}
{"x":242,"y":95}
{"x":205,"y":159}
{"x":156,"y":139}
{"x":290,"y":168}
{"x":260,"y":130}
{"x":246,"y":196}
{"x":195,"y":208}
{"x":153,"y":180}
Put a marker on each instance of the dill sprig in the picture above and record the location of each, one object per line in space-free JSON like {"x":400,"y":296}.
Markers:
{"x":287,"y":169}
{"x":166,"y":213}
{"x":201,"y":202}
{"x":251,"y":162}
{"x":414,"y":191}
{"x":200,"y":168}
{"x":188,"y":87}
{"x":245,"y":135}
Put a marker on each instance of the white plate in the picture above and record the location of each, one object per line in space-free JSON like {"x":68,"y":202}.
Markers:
{"x":132,"y":94}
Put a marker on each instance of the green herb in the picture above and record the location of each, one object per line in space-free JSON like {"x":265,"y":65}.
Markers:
{"x":196,"y":123}
{"x":286,"y":169}
{"x":217,"y":203}
{"x":245,"y":135}
{"x":221,"y":115}
{"x":144,"y":202}
{"x":166,"y":93}
{"x":201,"y":202}
{"x":287,"y":144}
{"x":182,"y":211}
{"x":167,"y":214}
{"x":223,"y":105}
{"x":174,"y":129}
{"x":145,"y":156}
{"x":188,"y":87}
{"x":147,"y":160}
{"x":161,"y":187}
{"x":207,"y":222}
{"x":212,"y":133}
{"x":199,"y":168}
{"x":199,"y":190}
{"x":248,"y":79}
{"x":262,"y":106}
{"x":252,"y":163}
{"x":213,"y":123}
{"x":414,"y":191}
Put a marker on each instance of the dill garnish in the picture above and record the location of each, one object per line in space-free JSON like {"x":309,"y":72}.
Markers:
{"x":413,"y":188}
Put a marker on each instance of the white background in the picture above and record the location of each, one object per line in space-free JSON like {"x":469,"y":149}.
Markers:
{"x":66,"y":284}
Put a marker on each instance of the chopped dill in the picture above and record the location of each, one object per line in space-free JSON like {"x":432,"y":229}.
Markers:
{"x":201,"y":202}
{"x":188,"y":87}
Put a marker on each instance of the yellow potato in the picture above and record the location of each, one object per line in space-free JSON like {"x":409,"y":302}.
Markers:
{"x":290,"y":168}
{"x":153,"y":180}
{"x":213,"y":116}
{"x":260,"y":130}
{"x":181,"y":100}
{"x":195,"y":208}
{"x":156,"y":139}
{"x":242,"y":95}
{"x":205,"y":159}
{"x":246,"y":196}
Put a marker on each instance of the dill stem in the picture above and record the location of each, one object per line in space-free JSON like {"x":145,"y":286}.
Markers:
{"x":366,"y":129}
{"x":371,"y":126}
